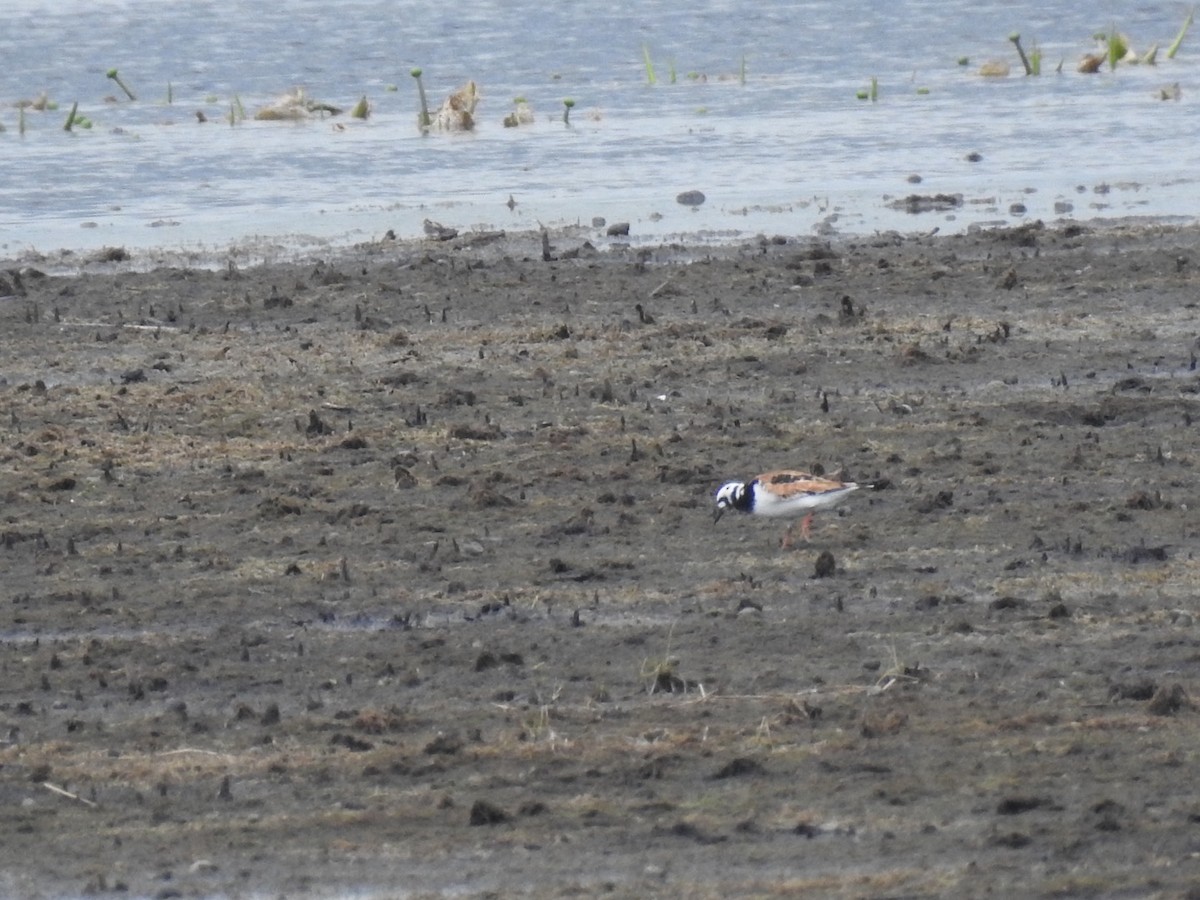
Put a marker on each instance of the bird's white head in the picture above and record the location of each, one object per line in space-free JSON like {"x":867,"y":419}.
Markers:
{"x":729,"y":496}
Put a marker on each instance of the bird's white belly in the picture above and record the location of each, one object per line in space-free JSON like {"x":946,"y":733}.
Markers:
{"x":796,"y":506}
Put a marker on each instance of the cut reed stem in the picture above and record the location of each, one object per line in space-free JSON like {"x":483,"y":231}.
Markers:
{"x":425,"y":121}
{"x":1016,"y":40}
{"x":112,"y":73}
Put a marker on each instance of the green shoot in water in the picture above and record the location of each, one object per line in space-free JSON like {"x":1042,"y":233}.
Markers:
{"x":71,"y":116}
{"x":568,"y":104}
{"x":650,"y":77}
{"x":237,"y":112}
{"x":1187,"y":23}
{"x":1117,"y":47}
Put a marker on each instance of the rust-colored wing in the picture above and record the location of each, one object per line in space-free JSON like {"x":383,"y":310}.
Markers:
{"x":791,"y":483}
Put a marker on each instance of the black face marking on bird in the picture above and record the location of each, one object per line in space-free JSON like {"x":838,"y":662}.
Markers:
{"x":732,"y":495}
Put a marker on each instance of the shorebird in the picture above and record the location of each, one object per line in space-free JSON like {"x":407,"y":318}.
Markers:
{"x":785,"y":493}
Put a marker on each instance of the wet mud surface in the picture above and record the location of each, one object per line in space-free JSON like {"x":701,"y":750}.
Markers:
{"x":395,"y":573}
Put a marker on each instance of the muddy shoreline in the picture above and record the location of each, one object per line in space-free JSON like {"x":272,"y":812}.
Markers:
{"x":393,"y":571}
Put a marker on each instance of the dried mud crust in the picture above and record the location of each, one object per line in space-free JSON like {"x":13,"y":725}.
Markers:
{"x":395,"y":571}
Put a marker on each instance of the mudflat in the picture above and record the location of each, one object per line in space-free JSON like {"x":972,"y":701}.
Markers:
{"x":394,"y":572}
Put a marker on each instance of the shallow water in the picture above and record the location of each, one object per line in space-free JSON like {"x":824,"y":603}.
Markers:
{"x":788,"y":150}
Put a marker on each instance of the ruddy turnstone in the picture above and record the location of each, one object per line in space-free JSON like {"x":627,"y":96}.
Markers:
{"x":781,"y":494}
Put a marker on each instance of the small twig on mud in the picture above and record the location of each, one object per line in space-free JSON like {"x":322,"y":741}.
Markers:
{"x":119,"y":325}
{"x":654,"y":293}
{"x":193,"y":750}
{"x":661,"y":673}
{"x":904,"y":407}
{"x":879,"y":688}
{"x":788,"y":695}
{"x":896,"y":672}
{"x":65,"y":793}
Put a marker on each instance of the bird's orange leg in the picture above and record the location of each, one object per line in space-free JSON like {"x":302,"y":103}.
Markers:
{"x":805,"y":527}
